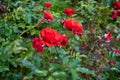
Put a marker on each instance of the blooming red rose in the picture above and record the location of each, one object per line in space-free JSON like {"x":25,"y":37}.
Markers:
{"x":51,"y":37}
{"x":116,"y":10}
{"x":48,"y":4}
{"x":77,"y":28}
{"x":116,"y":5}
{"x":115,"y":15}
{"x":36,"y":43}
{"x":68,"y":23}
{"x":69,"y":11}
{"x":48,"y":15}
{"x":74,"y":26}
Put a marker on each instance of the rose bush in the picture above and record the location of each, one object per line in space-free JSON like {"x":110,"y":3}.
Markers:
{"x":42,"y":40}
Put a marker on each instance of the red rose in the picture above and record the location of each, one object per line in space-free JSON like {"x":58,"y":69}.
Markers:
{"x":34,"y":4}
{"x":36,"y":43}
{"x":114,"y":15}
{"x":116,"y":51}
{"x":69,"y":11}
{"x":64,"y":41}
{"x":77,"y":28}
{"x":48,"y":4}
{"x":68,"y":23}
{"x":116,"y":10}
{"x":111,"y":63}
{"x":116,"y":5}
{"x":108,"y":36}
{"x":51,"y":37}
{"x":48,"y":15}
{"x":74,"y":26}
{"x":85,"y":75}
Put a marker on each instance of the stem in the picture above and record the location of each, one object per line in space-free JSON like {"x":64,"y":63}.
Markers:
{"x":28,"y":29}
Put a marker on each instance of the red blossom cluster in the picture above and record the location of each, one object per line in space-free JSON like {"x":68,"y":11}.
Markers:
{"x":49,"y":37}
{"x":116,"y":10}
{"x":47,"y":14}
{"x":73,"y":25}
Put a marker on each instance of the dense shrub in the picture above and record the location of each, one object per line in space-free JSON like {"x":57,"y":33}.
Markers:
{"x":59,"y":40}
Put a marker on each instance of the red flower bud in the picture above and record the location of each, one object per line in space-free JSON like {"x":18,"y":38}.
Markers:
{"x":48,"y":4}
{"x":48,"y":15}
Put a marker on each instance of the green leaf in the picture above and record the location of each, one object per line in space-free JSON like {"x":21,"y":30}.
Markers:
{"x":74,"y":63}
{"x":17,"y":49}
{"x":50,"y":78}
{"x":28,"y":78}
{"x":33,"y":31}
{"x":65,"y":60}
{"x":77,"y":37}
{"x":4,"y":68}
{"x":83,"y":56}
{"x":85,"y":70}
{"x":59,"y":75}
{"x":28,"y":64}
{"x":74,"y":74}
{"x":41,"y":72}
{"x":56,"y":67}
{"x":62,"y":51}
{"x":21,"y":25}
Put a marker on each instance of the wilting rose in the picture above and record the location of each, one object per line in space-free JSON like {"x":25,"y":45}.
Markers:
{"x":41,"y":9}
{"x":116,"y":51}
{"x":73,"y":25}
{"x":85,"y":75}
{"x":48,"y":15}
{"x":36,"y":43}
{"x":108,"y":36}
{"x":34,"y":4}
{"x":51,"y":37}
{"x":62,"y":20}
{"x":48,"y":4}
{"x":69,"y":11}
